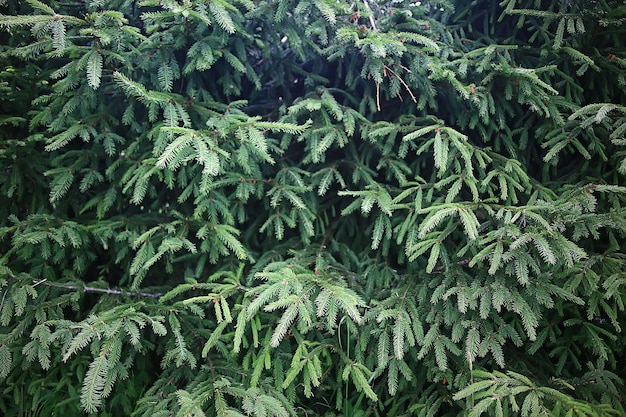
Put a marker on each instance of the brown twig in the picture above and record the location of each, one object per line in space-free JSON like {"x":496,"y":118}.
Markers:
{"x":402,"y":81}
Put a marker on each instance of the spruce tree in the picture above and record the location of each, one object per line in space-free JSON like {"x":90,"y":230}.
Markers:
{"x":312,"y":207}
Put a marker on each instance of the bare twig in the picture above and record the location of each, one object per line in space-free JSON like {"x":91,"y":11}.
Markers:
{"x":371,"y":14}
{"x":402,"y":81}
{"x":3,"y":297}
{"x":109,"y":291}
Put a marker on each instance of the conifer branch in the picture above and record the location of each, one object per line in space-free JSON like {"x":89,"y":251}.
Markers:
{"x":311,"y":240}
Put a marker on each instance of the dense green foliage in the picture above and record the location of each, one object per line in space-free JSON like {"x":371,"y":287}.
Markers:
{"x":312,"y":207}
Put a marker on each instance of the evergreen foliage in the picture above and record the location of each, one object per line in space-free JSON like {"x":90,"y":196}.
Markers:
{"x":301,"y":208}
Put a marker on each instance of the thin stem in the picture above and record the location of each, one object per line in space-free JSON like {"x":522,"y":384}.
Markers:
{"x":403,"y":83}
{"x":109,"y":291}
{"x":371,"y":14}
